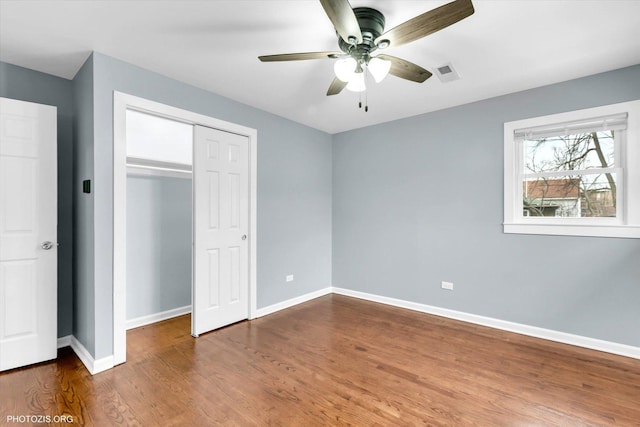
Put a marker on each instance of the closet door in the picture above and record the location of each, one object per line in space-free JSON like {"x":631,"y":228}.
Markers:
{"x":28,"y":223}
{"x":220,"y":226}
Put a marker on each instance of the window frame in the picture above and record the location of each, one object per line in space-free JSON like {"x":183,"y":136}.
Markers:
{"x":627,"y":168}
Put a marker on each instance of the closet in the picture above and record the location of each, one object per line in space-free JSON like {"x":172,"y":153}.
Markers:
{"x":159,"y":218}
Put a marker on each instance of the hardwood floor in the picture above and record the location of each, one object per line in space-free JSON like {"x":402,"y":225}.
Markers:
{"x":334,"y":361}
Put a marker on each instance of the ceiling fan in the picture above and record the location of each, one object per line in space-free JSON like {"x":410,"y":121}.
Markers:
{"x":360,"y":34}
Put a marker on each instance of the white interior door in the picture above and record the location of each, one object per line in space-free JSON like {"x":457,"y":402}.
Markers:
{"x":28,"y":233}
{"x":220,"y":227}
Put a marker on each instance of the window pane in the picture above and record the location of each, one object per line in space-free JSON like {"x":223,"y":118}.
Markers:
{"x":569,"y":152}
{"x":156,"y":138}
{"x":577,"y":196}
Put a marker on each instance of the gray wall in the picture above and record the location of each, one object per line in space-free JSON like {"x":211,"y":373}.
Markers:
{"x":294,"y":188}
{"x":158,"y":244}
{"x":420,"y":200}
{"x":83,"y":285}
{"x":33,"y":86}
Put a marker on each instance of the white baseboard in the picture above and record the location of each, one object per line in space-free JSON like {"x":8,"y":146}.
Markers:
{"x":64,"y":341}
{"x":157,"y":317}
{"x":92,"y":365}
{"x":291,"y":302}
{"x":533,"y":331}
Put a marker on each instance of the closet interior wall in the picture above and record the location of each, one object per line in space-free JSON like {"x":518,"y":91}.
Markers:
{"x":159,"y":224}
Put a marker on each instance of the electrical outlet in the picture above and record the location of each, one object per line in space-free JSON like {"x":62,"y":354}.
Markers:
{"x":447,"y":285}
{"x":289,"y":278}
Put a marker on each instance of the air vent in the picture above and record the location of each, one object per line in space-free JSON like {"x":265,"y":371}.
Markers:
{"x":446,"y":73}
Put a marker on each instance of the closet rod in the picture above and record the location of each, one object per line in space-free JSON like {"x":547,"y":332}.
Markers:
{"x":139,"y":162}
{"x":157,"y":171}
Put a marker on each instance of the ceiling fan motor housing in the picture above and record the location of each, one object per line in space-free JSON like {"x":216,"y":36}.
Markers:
{"x":371,"y":22}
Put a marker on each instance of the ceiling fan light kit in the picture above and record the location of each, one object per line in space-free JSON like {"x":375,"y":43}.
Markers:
{"x":348,"y":70}
{"x":356,"y":83}
{"x":360,"y":33}
{"x":379,"y":68}
{"x":345,"y":68}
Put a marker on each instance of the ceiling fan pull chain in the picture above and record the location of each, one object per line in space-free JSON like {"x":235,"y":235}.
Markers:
{"x":366,"y":101}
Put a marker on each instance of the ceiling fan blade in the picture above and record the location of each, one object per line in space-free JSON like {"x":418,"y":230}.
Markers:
{"x":299,"y":56}
{"x":405,"y":69}
{"x":428,"y":23}
{"x":336,"y":87}
{"x":343,"y":19}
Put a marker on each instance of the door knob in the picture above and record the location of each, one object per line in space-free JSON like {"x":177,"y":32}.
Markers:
{"x":46,"y":245}
{"x":244,"y":237}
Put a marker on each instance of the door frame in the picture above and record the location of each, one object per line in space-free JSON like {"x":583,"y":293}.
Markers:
{"x":121,"y":103}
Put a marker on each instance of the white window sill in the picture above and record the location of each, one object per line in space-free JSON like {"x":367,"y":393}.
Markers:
{"x":621,"y":231}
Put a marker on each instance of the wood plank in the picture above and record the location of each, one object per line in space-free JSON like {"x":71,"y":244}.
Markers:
{"x":332,"y":361}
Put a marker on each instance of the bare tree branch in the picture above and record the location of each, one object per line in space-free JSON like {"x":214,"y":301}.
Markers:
{"x":569,"y":153}
{"x":603,"y":161}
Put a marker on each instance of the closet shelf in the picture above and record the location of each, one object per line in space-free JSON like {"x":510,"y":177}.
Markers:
{"x":139,"y":166}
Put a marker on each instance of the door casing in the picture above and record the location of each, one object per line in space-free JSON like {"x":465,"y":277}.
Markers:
{"x":122,"y":102}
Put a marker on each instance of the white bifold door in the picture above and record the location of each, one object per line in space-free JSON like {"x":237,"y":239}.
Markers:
{"x":28,"y":225}
{"x":221,"y":223}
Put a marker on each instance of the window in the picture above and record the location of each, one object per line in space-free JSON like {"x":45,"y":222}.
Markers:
{"x":575,"y":173}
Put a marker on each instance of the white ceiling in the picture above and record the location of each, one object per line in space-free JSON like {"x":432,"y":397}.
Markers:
{"x":506,"y":46}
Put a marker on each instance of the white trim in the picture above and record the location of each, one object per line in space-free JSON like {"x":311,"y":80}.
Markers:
{"x":121,"y":102}
{"x":626,"y":232}
{"x":64,"y":341}
{"x":92,"y":365}
{"x":119,"y":228}
{"x":158,"y":317}
{"x":518,"y":328}
{"x":291,"y":302}
{"x":253,"y":224}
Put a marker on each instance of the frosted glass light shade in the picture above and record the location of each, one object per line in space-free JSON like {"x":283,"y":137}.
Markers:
{"x":379,"y":68}
{"x":356,"y":84}
{"x":345,"y":68}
